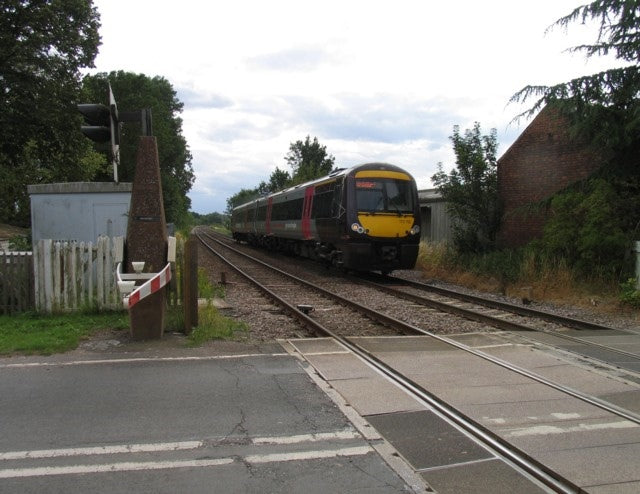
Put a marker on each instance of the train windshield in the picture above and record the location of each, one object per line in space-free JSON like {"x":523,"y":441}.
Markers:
{"x":384,"y":195}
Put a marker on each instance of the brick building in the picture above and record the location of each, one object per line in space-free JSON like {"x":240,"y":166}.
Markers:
{"x":542,"y":161}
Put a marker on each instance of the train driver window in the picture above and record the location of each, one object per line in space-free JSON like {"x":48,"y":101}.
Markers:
{"x":399,"y":194}
{"x":384,"y":195}
{"x":369,"y":195}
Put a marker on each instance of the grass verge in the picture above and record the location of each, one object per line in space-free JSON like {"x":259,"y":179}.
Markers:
{"x":214,"y":326}
{"x":520,"y":274}
{"x":33,"y":333}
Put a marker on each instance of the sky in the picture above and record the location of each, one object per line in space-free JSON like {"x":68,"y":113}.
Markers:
{"x":374,"y":81}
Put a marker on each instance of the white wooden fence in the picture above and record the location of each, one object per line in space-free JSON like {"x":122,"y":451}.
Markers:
{"x":70,"y":275}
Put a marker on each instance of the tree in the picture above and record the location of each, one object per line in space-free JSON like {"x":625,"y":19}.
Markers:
{"x":603,"y":111}
{"x":308,"y":160}
{"x":207,"y":219}
{"x":603,"y":108}
{"x":585,"y":229}
{"x":471,"y":189}
{"x":135,"y":92}
{"x":43,"y":46}
{"x":278,"y":180}
{"x":245,"y":195}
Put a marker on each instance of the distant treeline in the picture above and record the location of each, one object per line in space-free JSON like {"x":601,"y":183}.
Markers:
{"x":208,"y":219}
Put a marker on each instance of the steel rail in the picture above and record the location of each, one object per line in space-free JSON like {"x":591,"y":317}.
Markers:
{"x":380,"y":317}
{"x":494,"y":321}
{"x":452,"y":309}
{"x":482,"y":434}
{"x":411,"y":329}
{"x":294,"y":311}
{"x":495,"y":304}
{"x":488,"y":438}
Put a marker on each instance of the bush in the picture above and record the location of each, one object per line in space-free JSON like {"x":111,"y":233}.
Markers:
{"x":629,"y":294}
{"x":585,"y":228}
{"x":206,"y":289}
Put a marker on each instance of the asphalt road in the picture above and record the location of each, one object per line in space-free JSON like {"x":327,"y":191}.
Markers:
{"x":238,"y":423}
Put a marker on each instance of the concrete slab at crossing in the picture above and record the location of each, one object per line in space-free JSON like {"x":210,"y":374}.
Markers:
{"x":565,"y":433}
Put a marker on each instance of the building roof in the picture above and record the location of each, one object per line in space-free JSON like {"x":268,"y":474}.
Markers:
{"x":429,"y":195}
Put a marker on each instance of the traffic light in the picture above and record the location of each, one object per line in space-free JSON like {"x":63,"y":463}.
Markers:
{"x":102,"y":125}
{"x":98,"y":120}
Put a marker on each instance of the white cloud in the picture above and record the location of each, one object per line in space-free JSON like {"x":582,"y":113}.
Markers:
{"x":373,"y":80}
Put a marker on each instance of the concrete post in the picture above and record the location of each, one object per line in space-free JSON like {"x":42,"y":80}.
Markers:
{"x":147,"y":239}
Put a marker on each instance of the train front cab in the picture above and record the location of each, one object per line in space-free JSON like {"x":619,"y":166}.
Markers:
{"x":383,"y":219}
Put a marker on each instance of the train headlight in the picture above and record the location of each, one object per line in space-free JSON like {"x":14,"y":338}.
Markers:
{"x":415,"y":230}
{"x":356,"y":227}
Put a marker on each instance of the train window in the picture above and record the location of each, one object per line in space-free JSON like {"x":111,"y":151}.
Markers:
{"x":384,"y":195}
{"x":399,"y":195}
{"x":369,"y":195}
{"x":288,"y":210}
{"x":294,"y":209}
{"x":322,"y":200}
{"x":278,"y":212}
{"x":322,"y":205}
{"x":261,"y":214}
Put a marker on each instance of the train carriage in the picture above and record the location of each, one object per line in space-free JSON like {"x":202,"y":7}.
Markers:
{"x":363,"y":218}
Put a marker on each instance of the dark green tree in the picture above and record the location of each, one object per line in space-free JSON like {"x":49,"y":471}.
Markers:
{"x":245,"y":195}
{"x":278,"y":180}
{"x":585,"y":229}
{"x":603,"y":111}
{"x":471,"y":189}
{"x":135,"y":92}
{"x":603,"y":108}
{"x":308,"y":160}
{"x":43,"y":46}
{"x":207,"y":219}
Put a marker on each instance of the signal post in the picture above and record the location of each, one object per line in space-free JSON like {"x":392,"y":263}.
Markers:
{"x":148,"y":251}
{"x":147,"y":239}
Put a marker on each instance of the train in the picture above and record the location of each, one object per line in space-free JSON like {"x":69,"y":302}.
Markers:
{"x":364,"y":218}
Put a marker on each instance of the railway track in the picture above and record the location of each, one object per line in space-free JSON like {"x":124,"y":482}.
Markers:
{"x":289,"y":295}
{"x":300,"y":297}
{"x":560,"y":331}
{"x":575,"y":336}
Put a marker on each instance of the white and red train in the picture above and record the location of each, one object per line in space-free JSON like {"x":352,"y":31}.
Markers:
{"x":365,"y":218}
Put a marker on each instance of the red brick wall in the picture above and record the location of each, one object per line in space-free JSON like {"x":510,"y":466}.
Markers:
{"x":542,"y":161}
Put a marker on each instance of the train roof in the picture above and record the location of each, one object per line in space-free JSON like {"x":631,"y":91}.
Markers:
{"x":338,"y":172}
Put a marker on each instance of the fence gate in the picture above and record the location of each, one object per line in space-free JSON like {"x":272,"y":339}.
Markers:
{"x":70,"y":275}
{"x":61,"y":276}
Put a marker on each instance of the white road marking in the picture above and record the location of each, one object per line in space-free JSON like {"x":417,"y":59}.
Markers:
{"x":565,"y":416}
{"x":309,"y":455}
{"x":175,"y":446}
{"x":165,"y":465}
{"x":139,"y":359}
{"x":543,"y":430}
{"x":495,"y":421}
{"x":101,"y":450}
{"x":334,"y":352}
{"x":171,"y":446}
{"x":323,"y":436}
{"x":111,"y":467}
